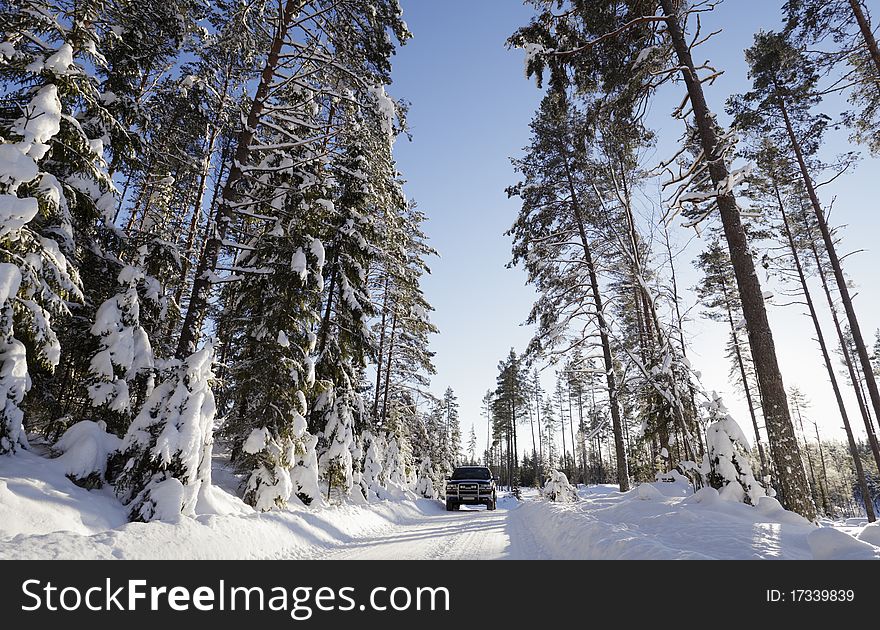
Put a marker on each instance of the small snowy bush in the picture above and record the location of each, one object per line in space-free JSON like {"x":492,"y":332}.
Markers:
{"x":558,"y":489}
{"x":85,"y":448}
{"x":726,"y":465}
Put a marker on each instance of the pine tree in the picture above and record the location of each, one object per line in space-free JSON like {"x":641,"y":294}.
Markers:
{"x":847,"y":24}
{"x":452,"y":428}
{"x":726,"y":465}
{"x":472,"y":447}
{"x":55,"y":188}
{"x":717,"y":295}
{"x":165,"y":458}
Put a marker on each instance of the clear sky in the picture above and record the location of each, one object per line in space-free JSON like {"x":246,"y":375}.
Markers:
{"x":470,"y":109}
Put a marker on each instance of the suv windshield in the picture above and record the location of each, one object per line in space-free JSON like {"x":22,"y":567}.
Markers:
{"x":471,"y":473}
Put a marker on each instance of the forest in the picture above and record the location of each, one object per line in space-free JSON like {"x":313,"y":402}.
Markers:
{"x":628,"y":405}
{"x":205,"y":244}
{"x":206,"y":253}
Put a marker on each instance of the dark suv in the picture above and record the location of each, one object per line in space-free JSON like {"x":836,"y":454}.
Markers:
{"x":473,"y":485}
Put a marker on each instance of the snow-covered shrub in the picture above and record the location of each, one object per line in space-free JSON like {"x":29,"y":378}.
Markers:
{"x":395,"y":468}
{"x":304,"y":474}
{"x":558,"y":489}
{"x":166,"y":453}
{"x":85,"y":449}
{"x":124,"y":350}
{"x":335,"y":462}
{"x":726,"y":464}
{"x":424,"y":483}
{"x":360,"y":491}
{"x":14,"y":379}
{"x":374,"y":460}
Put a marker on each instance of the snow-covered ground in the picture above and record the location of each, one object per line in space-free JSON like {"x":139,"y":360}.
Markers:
{"x":44,"y":515}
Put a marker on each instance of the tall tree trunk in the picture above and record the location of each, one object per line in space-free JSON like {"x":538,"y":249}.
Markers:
{"x":574,"y":449}
{"x":679,"y":318}
{"x":222,"y":216}
{"x":748,"y":390}
{"x":538,"y":422}
{"x":867,"y":33}
{"x":534,"y":445}
{"x":860,"y":473}
{"x":831,"y":251}
{"x":783,"y":443}
{"x":193,"y":230}
{"x":562,"y":430}
{"x":800,"y":419}
{"x":515,"y":452}
{"x":611,"y":380}
{"x":382,"y":350}
{"x":825,"y":491}
{"x":388,"y":363}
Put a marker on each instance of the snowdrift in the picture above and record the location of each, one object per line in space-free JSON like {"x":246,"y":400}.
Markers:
{"x":666,"y":521}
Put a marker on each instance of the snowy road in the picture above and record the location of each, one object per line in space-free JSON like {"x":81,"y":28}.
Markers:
{"x":469,"y":534}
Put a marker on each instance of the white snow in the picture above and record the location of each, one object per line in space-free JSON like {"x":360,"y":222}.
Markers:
{"x":40,"y":123}
{"x":533,"y":51}
{"x":10,"y":280}
{"x":558,"y":489}
{"x":85,"y":448}
{"x":256,"y":441}
{"x":385,"y":108}
{"x":15,"y":166}
{"x":317,"y":249}
{"x":50,"y":517}
{"x":298,"y":264}
{"x":59,"y":63}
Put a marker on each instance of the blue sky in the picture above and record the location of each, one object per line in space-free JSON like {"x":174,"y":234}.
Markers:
{"x":471,"y":106}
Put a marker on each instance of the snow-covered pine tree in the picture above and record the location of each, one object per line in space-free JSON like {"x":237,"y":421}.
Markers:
{"x":558,"y":489}
{"x":312,"y":55}
{"x":374,"y":462}
{"x":165,"y":458}
{"x":716,"y":293}
{"x":270,"y":343}
{"x":57,"y":192}
{"x":344,"y":335}
{"x":452,"y":427}
{"x":726,"y":464}
{"x":472,"y":447}
{"x":425,"y":483}
{"x":395,"y":467}
{"x":124,"y":352}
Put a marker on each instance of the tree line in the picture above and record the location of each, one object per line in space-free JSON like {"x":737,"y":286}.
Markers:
{"x":205,"y":247}
{"x":598,"y":251}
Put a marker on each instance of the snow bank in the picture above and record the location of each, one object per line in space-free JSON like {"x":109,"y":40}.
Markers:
{"x":44,"y":515}
{"x":654,"y":521}
{"x":830,"y":544}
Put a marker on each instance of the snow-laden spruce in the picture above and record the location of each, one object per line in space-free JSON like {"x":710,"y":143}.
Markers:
{"x":726,"y":464}
{"x":124,"y":350}
{"x":558,"y":489}
{"x":166,"y":454}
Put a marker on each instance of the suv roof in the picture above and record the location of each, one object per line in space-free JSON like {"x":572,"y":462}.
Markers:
{"x":479,"y":472}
